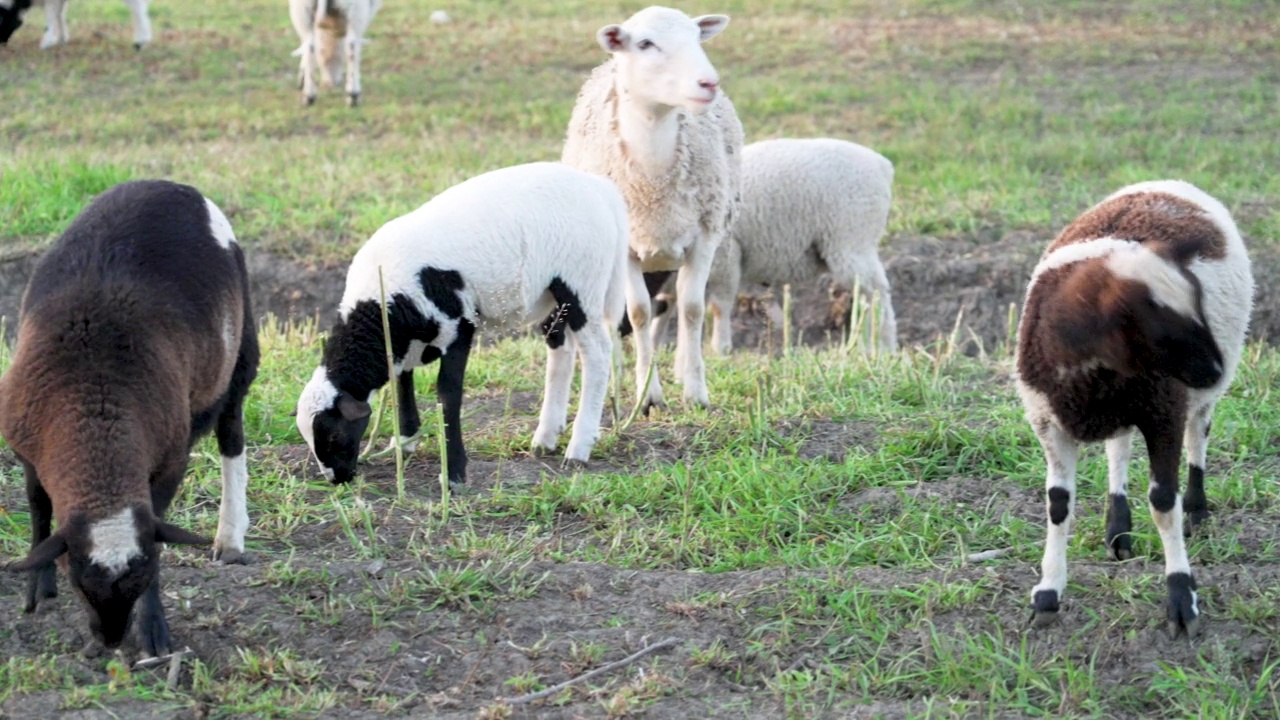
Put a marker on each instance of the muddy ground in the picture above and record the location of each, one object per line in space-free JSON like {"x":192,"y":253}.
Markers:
{"x":933,"y":281}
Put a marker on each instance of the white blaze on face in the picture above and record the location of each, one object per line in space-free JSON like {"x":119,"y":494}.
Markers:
{"x":114,"y":541}
{"x":319,"y":395}
{"x":219,"y":225}
{"x":1169,"y":287}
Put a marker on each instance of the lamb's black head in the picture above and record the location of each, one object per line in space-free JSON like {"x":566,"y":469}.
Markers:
{"x":1160,"y":310}
{"x":332,"y":421}
{"x":111,"y":561}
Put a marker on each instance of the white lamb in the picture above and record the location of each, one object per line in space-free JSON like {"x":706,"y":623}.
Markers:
{"x":652,"y":119}
{"x":331,"y":30}
{"x":536,"y":242}
{"x":55,"y":16}
{"x":808,"y":206}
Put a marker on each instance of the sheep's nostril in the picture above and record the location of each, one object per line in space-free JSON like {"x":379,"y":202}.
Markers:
{"x":708,"y":85}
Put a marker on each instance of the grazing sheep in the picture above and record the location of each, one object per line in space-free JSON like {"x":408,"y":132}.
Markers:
{"x":135,"y":338}
{"x":653,"y":120}
{"x":808,"y":207}
{"x":533,"y":242}
{"x":1134,"y":318}
{"x":55,"y":30}
{"x":331,"y":30}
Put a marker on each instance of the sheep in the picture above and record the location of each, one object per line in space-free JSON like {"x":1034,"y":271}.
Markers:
{"x":808,"y":206}
{"x":1135,"y":317}
{"x":55,"y":31}
{"x":653,"y":119}
{"x":331,"y":30}
{"x":540,"y":241}
{"x":135,"y":338}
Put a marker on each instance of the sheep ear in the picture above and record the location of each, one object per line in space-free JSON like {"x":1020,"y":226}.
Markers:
{"x":174,"y":535}
{"x":613,"y":38}
{"x":41,"y":555}
{"x":353,"y":409}
{"x":711,"y":25}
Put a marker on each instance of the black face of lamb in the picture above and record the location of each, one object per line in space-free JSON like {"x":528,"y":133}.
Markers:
{"x":109,"y":598}
{"x":568,"y":312}
{"x":338,"y":443}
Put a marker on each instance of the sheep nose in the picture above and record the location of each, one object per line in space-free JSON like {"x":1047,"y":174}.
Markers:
{"x":708,"y":85}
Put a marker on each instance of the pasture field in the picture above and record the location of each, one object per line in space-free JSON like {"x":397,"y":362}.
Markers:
{"x":807,"y":541}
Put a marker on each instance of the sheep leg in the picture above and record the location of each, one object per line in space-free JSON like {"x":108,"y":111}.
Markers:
{"x":233,"y":510}
{"x":304,"y":23}
{"x":41,"y":582}
{"x":141,"y":22}
{"x":1061,"y":453}
{"x":453,"y":368}
{"x":662,"y":302}
{"x":353,"y":44}
{"x":722,"y":295}
{"x":873,"y":285}
{"x":1119,"y":520}
{"x":153,"y":627}
{"x":55,"y":24}
{"x":691,"y":299}
{"x":1164,"y":447}
{"x":555,"y":398}
{"x":407,"y":411}
{"x":639,"y":311}
{"x":596,"y":348}
{"x":1195,"y":505}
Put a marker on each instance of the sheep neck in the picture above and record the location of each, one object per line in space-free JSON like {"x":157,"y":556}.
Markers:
{"x":650,"y":134}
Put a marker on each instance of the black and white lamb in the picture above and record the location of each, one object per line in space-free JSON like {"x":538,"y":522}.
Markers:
{"x":1134,"y":319}
{"x":536,"y":242}
{"x":12,"y":14}
{"x":135,"y":338}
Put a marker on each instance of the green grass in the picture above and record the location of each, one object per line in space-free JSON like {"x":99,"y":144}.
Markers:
{"x":810,"y":531}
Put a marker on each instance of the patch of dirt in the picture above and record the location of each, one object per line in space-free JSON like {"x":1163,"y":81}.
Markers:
{"x":933,"y":280}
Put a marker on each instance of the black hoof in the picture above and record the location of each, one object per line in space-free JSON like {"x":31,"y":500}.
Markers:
{"x":1120,"y":547}
{"x":459,"y":488}
{"x":93,"y":649}
{"x":309,"y":100}
{"x":153,"y":635}
{"x":1193,"y":520}
{"x":41,"y":585}
{"x":569,"y":464}
{"x":540,"y":451}
{"x":137,"y":47}
{"x":1044,"y":608}
{"x":1183,"y":609}
{"x":232,"y":556}
{"x":353,"y":100}
{"x":650,"y":405}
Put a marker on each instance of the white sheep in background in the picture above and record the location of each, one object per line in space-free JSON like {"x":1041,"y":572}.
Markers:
{"x":136,"y":337}
{"x":536,"y":242}
{"x":808,"y":206}
{"x":1135,"y":317}
{"x":331,"y":31}
{"x":653,"y":120}
{"x":55,"y":29}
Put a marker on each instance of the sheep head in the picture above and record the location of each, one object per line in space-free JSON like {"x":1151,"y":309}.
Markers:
{"x":660,"y":60}
{"x":110,"y":561}
{"x":332,"y":421}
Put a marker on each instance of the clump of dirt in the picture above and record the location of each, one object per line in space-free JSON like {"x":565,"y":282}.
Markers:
{"x":934,"y":281}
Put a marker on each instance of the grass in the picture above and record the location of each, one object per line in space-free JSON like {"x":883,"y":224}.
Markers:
{"x":808,"y":534}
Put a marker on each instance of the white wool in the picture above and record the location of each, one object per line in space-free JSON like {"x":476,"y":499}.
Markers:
{"x":219,"y":226}
{"x":653,"y":119}
{"x":113,"y":541}
{"x":1169,"y":287}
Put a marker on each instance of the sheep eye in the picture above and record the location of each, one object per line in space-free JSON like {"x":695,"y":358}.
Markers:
{"x":645,"y":45}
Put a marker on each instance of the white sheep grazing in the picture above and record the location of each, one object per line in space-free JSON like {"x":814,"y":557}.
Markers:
{"x":808,"y":206}
{"x":533,"y":242}
{"x":1135,"y":318}
{"x":331,"y":31}
{"x":55,"y":29}
{"x":653,"y":120}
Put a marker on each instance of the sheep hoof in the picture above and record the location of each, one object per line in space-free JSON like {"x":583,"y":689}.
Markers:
{"x":459,"y":488}
{"x":231,"y":556}
{"x":1191,"y":629}
{"x":1182,"y":613}
{"x":538,"y":450}
{"x":1044,"y":608}
{"x":1194,"y":520}
{"x":573,"y":464}
{"x":1120,"y":547}
{"x":650,"y":405}
{"x":137,"y":47}
{"x":308,"y":100}
{"x":353,"y":99}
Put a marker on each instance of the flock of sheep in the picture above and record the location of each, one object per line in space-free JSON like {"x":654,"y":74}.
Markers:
{"x":136,"y":334}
